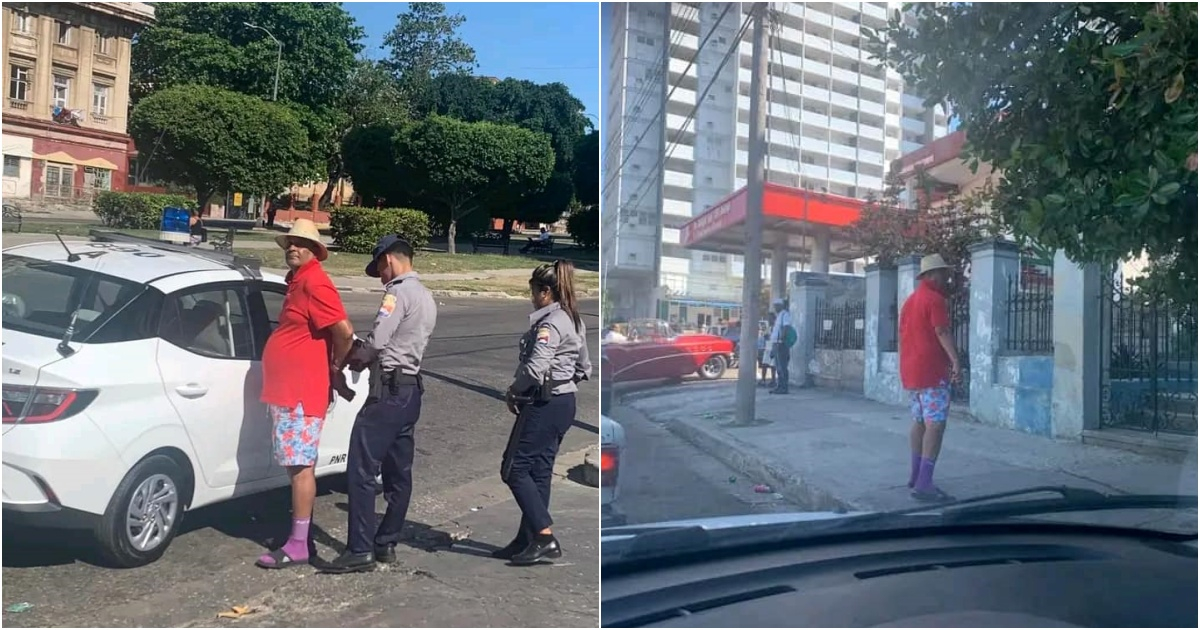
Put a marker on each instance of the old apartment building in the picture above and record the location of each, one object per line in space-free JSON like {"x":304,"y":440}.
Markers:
{"x":66,"y":100}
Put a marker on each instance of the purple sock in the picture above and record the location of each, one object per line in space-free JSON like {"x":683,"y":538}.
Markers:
{"x":915,"y":470}
{"x":296,"y":546}
{"x":925,"y":476}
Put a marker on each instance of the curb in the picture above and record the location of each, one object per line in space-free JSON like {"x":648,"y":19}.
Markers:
{"x":743,"y":458}
{"x":591,"y":469}
{"x":642,"y":394}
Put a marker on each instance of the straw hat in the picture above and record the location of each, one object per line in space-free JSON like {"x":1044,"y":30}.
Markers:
{"x":307,"y":230}
{"x":932,"y":262}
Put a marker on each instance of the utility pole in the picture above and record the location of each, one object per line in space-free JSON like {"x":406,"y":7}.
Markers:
{"x":756,"y":175}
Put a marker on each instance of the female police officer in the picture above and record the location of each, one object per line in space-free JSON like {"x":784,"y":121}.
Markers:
{"x":554,"y":357}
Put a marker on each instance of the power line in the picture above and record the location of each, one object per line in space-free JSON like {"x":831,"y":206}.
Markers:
{"x":663,"y":107}
{"x":737,"y":42}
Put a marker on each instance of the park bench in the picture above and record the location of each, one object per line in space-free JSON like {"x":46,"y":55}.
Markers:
{"x":224,"y":243}
{"x":489,"y":240}
{"x":12,"y":217}
{"x":545,"y":247}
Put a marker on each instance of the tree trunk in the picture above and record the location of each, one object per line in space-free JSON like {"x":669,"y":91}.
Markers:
{"x":451,"y":236}
{"x":203,"y":194}
{"x":331,"y":183}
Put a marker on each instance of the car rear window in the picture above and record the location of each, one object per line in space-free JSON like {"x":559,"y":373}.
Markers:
{"x":39,"y":298}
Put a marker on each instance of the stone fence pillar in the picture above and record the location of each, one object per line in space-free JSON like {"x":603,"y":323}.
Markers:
{"x":806,"y":289}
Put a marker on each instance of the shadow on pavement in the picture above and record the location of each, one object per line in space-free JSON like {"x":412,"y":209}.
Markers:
{"x":478,"y":388}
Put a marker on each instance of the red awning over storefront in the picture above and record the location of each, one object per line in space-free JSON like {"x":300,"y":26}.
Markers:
{"x":790,"y":215}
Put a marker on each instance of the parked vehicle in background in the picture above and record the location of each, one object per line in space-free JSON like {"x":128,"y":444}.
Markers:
{"x":656,"y":351}
{"x":612,"y":443}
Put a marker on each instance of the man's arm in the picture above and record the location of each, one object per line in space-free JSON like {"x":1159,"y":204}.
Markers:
{"x":327,"y":313}
{"x":583,"y":367}
{"x":939,"y":317}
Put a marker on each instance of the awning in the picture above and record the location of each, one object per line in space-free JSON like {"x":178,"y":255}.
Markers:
{"x":63,"y":158}
{"x":18,"y":146}
{"x":792,"y":218}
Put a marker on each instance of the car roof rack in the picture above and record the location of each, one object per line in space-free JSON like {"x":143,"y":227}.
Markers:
{"x":245,"y":265}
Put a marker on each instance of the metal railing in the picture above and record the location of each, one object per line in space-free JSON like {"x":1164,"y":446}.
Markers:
{"x":1029,"y":314}
{"x":840,"y":326}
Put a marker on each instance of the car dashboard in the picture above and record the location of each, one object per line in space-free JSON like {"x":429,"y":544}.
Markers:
{"x":962,"y":577}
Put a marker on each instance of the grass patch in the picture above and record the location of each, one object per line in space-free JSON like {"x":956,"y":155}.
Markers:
{"x":511,"y":285}
{"x":344,"y":264}
{"x":82,"y":229}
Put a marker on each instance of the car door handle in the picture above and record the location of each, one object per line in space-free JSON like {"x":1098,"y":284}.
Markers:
{"x":191,"y":390}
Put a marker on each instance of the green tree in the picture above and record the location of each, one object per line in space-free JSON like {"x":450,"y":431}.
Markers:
{"x":889,"y":228}
{"x":1087,"y":109}
{"x":549,"y":108}
{"x":451,"y":169}
{"x":545,"y":205}
{"x":217,"y":140}
{"x":210,"y":43}
{"x":586,"y":169}
{"x":370,"y":161}
{"x":425,"y":44}
{"x":584,"y":226}
{"x":372,"y":98}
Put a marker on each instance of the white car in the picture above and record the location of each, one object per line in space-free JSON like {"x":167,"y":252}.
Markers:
{"x":612,"y":442}
{"x":131,"y":389}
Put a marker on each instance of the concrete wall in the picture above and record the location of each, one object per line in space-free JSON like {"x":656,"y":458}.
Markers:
{"x":837,"y":369}
{"x":1049,"y":395}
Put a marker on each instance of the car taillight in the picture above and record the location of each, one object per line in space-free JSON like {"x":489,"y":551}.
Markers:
{"x":35,"y":405}
{"x":610,"y":462}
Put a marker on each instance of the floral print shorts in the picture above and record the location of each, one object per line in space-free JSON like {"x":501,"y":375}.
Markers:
{"x":297,"y":436}
{"x":931,"y":404}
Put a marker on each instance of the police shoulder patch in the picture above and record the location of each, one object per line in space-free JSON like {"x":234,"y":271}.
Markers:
{"x":388,"y":306}
{"x":543,"y":334}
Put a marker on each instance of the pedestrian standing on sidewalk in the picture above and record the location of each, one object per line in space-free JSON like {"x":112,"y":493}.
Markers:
{"x":298,"y":370}
{"x":382,"y":437}
{"x":782,"y":338}
{"x":553,"y":360}
{"x":928,"y":365}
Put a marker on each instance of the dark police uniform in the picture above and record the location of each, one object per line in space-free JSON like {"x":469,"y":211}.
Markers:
{"x":553,"y":358}
{"x":383,"y":429}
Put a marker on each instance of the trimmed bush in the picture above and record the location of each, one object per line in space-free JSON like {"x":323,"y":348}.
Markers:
{"x":136,"y":211}
{"x":356,"y":230}
{"x":584,"y":226}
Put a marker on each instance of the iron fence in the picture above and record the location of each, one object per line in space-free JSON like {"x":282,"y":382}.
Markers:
{"x":1148,"y":360}
{"x":890,"y":333}
{"x":1029,"y":321}
{"x":959,"y":305}
{"x":840,"y":326}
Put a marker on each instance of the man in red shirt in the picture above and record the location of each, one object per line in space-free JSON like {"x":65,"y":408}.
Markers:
{"x":928,"y":365}
{"x":299,"y":364}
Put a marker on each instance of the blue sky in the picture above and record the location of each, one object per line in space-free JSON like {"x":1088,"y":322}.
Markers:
{"x":543,"y":42}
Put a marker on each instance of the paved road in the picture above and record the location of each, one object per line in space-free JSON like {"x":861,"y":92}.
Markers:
{"x":664,"y":478}
{"x":463,"y":427}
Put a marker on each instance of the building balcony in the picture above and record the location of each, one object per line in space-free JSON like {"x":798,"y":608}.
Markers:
{"x":68,"y":55}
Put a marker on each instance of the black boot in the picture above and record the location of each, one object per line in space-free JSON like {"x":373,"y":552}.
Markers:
{"x":543,"y":546}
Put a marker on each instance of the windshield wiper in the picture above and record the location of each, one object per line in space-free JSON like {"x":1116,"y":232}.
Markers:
{"x":1070,"y":499}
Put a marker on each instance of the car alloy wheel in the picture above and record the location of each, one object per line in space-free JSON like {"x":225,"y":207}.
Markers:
{"x":713,"y":368}
{"x":151,"y":513}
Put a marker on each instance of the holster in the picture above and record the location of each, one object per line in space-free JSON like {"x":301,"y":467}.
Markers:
{"x":389,"y":382}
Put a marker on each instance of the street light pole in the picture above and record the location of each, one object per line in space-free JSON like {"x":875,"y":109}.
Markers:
{"x":747,"y":387}
{"x":278,"y":57}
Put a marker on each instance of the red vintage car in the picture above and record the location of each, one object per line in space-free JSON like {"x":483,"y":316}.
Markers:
{"x":655,"y":351}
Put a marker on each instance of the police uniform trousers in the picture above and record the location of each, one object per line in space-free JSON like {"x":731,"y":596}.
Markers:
{"x":382,"y":437}
{"x":529,"y":458}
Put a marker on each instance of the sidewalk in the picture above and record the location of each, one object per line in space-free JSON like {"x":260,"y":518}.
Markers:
{"x":828,"y":450}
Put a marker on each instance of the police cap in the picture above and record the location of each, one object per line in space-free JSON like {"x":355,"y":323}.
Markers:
{"x":390,"y":244}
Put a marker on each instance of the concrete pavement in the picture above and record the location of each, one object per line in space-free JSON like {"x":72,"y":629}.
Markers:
{"x":463,"y":429}
{"x":825,"y":450}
